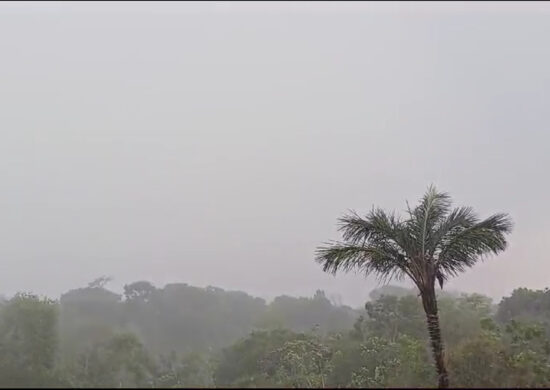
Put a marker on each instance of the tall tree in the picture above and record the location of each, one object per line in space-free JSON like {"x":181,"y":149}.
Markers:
{"x":432,"y":243}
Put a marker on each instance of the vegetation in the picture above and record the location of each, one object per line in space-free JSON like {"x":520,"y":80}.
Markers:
{"x":147,"y":337}
{"x":432,"y":243}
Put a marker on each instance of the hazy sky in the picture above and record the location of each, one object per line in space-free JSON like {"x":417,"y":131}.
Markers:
{"x":218,"y":143}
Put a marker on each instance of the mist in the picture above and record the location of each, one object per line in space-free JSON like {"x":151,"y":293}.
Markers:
{"x":218,"y":143}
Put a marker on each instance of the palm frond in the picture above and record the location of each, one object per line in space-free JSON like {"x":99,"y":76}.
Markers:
{"x":380,"y":260}
{"x":354,"y":228}
{"x":377,"y":224}
{"x":459,"y":219}
{"x":462,"y":247}
{"x":432,"y":209}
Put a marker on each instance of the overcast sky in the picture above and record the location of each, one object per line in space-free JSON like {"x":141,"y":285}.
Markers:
{"x":218,"y":143}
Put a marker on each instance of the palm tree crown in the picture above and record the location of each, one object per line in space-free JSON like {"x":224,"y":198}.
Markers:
{"x":433,"y":242}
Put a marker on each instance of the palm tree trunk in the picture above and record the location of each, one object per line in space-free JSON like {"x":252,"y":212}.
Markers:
{"x":432,"y":318}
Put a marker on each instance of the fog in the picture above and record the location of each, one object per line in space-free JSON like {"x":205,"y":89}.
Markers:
{"x":218,"y":143}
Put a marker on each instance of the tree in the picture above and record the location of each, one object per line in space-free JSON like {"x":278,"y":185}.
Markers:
{"x":141,"y":291}
{"x":433,"y":243}
{"x":400,"y":363}
{"x":88,"y":315}
{"x":241,"y":363}
{"x":299,"y":363}
{"x":121,"y":361}
{"x":100,"y":282}
{"x":515,"y":355}
{"x":395,"y":291}
{"x":192,"y":370}
{"x":390,"y":316}
{"x":525,"y":305}
{"x":28,"y":342}
{"x":303,"y":314}
{"x":461,"y":317}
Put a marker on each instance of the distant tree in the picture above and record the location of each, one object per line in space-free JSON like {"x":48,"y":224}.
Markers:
{"x":525,"y":305}
{"x":515,"y":355}
{"x":432,"y":244}
{"x":141,"y":291}
{"x":121,"y":361}
{"x":88,"y":316}
{"x":390,"y":317}
{"x":461,"y":317}
{"x":100,"y":282}
{"x":304,"y":314}
{"x":395,"y":291}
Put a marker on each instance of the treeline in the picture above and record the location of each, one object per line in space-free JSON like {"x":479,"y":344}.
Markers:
{"x":90,"y":331}
{"x":180,"y":318}
{"x":185,"y":336}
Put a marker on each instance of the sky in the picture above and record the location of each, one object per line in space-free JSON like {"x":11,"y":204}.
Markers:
{"x":217,"y":143}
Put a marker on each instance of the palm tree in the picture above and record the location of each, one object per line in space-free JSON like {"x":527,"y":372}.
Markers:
{"x":433,"y":242}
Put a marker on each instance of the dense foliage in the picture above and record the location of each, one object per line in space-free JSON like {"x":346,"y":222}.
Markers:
{"x":184,"y":336}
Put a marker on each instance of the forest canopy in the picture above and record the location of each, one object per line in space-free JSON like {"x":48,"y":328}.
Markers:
{"x":185,"y":336}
